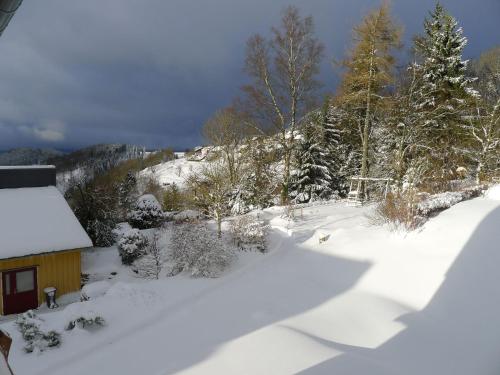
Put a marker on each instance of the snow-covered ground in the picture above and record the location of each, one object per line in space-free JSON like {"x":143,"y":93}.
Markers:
{"x":173,"y":171}
{"x":365,"y":301}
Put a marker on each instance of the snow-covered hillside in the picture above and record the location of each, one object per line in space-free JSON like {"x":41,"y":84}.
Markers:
{"x":365,"y":301}
{"x":173,"y":172}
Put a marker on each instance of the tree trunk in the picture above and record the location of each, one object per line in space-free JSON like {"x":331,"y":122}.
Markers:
{"x":366,"y":134}
{"x":218,"y":219}
{"x":286,"y":177}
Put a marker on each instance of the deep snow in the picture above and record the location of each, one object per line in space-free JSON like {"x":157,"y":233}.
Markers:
{"x":364,"y":301}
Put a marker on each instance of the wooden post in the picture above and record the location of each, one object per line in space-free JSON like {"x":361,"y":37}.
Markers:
{"x":5,"y":342}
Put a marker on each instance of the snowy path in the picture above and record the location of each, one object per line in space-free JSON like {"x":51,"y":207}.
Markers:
{"x":365,"y":301}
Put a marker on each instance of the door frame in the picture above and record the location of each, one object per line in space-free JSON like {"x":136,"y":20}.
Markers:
{"x":20,"y":269}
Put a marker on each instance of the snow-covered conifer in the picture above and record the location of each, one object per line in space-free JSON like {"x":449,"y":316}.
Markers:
{"x":127,"y":192}
{"x":311,"y":180}
{"x":444,"y":91}
{"x":147,"y":213}
{"x":131,"y":246}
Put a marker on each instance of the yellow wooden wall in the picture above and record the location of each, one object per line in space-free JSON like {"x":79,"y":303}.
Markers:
{"x":61,"y":270}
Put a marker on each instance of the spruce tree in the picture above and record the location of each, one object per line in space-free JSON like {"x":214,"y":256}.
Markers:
{"x":444,"y":91}
{"x":330,"y":143}
{"x":127,"y":193}
{"x":311,"y":180}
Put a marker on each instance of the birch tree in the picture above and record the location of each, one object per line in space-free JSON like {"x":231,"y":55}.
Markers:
{"x":283,"y":71}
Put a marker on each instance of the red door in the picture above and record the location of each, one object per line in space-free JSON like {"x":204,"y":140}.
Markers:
{"x":20,"y":292}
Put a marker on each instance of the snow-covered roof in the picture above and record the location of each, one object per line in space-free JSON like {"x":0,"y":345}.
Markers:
{"x":37,"y":220}
{"x":27,"y":166}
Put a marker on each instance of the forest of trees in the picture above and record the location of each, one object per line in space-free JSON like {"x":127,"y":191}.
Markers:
{"x":423,"y":126}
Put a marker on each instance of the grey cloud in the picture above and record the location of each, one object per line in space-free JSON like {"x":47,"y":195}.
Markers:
{"x":151,"y":71}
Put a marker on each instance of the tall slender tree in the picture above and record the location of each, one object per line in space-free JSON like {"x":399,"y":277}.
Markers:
{"x":368,"y":74}
{"x":329,"y":134}
{"x":444,"y":93}
{"x":284,"y":71}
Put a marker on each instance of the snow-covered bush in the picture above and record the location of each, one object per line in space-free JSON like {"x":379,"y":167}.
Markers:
{"x":93,"y":290}
{"x":436,"y":203}
{"x":151,"y":264}
{"x":38,"y":337}
{"x":131,"y":246}
{"x":147,"y":213}
{"x":101,"y":232}
{"x":86,"y":320}
{"x":249,"y":233}
{"x":409,"y":211}
{"x":198,"y":250}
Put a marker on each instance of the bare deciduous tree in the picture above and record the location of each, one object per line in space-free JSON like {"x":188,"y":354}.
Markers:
{"x":152,"y":263}
{"x":227,"y":130}
{"x":211,"y":191}
{"x":284,"y":85}
{"x":484,"y":124}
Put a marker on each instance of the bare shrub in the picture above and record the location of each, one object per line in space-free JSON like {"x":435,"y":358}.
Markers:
{"x":249,"y":232}
{"x":199,"y":251}
{"x":398,"y":211}
{"x":409,"y":210}
{"x":151,"y":264}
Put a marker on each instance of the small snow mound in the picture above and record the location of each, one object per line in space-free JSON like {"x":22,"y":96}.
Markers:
{"x":493,"y":193}
{"x":133,"y":295}
{"x":94,"y":290}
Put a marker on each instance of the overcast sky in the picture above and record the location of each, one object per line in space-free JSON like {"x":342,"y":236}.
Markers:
{"x":149,"y":72}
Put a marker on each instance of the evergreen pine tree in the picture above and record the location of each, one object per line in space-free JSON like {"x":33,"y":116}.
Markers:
{"x":311,"y":180}
{"x":127,"y":193}
{"x":330,"y":144}
{"x":444,"y":91}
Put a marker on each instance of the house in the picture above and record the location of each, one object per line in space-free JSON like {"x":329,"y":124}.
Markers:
{"x":40,"y":239}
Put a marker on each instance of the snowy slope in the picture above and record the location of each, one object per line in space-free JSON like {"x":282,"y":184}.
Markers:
{"x":365,"y":301}
{"x":173,"y":171}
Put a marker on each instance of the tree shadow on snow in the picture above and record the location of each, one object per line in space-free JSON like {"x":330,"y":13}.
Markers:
{"x":259,"y":297}
{"x":458,"y":332}
{"x":286,"y":282}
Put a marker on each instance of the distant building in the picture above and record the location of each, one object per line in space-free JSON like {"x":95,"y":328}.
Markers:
{"x":40,"y":238}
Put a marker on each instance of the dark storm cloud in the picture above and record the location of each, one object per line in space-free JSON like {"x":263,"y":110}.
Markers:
{"x":74,"y":73}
